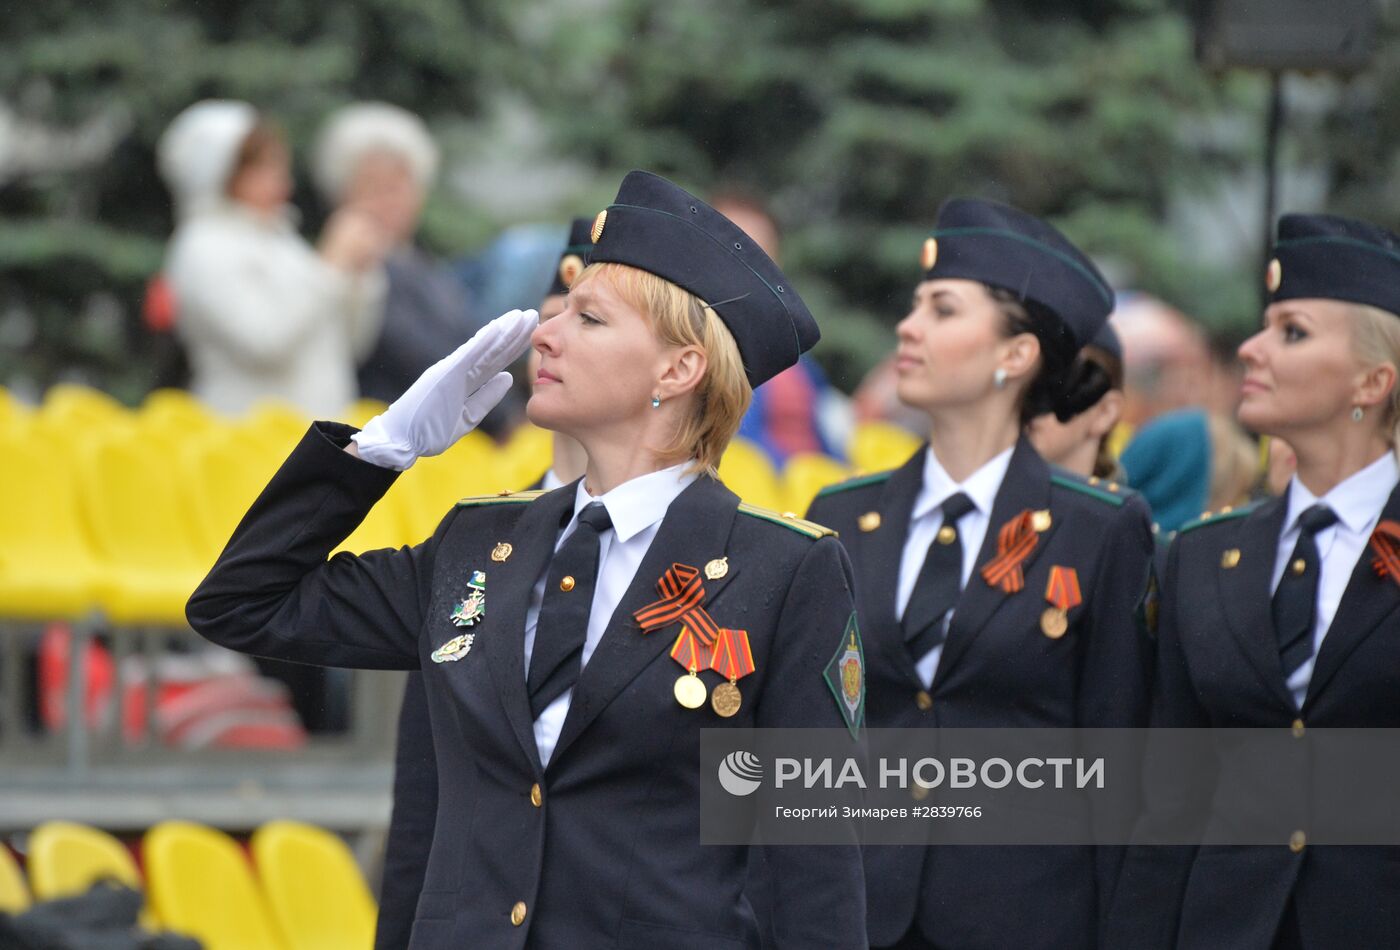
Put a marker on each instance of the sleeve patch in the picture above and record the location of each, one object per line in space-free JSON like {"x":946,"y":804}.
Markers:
{"x":845,"y":674}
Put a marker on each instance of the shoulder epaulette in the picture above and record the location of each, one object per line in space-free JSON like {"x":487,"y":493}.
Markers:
{"x":788,"y":520}
{"x":858,"y":482}
{"x":500,"y":498}
{"x":1110,"y":492}
{"x":1215,"y":517}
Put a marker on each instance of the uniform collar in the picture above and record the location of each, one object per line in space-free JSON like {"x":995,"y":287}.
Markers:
{"x":1357,"y":499}
{"x":981,"y":486}
{"x":640,"y":503}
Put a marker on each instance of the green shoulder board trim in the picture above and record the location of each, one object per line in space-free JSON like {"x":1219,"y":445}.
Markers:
{"x":1215,"y":517}
{"x":788,"y":520}
{"x":1110,"y":492}
{"x":503,"y":498}
{"x":861,"y":482}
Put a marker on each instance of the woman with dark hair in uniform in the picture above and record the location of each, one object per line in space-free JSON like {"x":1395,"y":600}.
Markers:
{"x":575,"y":642}
{"x":993,"y":590}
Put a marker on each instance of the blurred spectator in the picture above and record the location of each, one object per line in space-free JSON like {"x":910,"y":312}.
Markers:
{"x":1188,"y":462}
{"x":260,"y":312}
{"x":514,"y":270}
{"x":797,"y":410}
{"x":1222,"y":396}
{"x":1166,"y":361}
{"x":876,"y":400}
{"x":379,"y":160}
{"x":1082,"y":444}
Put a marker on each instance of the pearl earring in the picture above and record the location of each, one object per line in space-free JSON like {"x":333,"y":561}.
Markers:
{"x":656,"y":402}
{"x":1357,"y":414}
{"x":999,"y":378}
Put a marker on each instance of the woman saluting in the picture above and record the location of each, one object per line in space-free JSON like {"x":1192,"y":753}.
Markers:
{"x":575,"y":642}
{"x":994,"y":590}
{"x":1285,"y":614}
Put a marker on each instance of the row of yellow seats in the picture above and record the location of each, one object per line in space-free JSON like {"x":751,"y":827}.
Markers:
{"x":178,"y":415}
{"x":175,"y":415}
{"x":302,"y":892}
{"x":125,"y":510}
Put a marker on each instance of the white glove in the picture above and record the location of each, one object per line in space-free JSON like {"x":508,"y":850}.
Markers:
{"x":450,"y":398}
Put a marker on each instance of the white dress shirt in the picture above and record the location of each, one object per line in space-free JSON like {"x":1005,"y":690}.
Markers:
{"x":1358,"y":501}
{"x":637,"y":508}
{"x":938,"y":486}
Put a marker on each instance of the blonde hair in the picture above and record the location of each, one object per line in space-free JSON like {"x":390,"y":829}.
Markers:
{"x":679,"y":318}
{"x":1234,"y":463}
{"x":1375,"y":338}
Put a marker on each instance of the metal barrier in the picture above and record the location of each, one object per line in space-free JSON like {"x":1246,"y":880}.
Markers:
{"x":101,"y":776}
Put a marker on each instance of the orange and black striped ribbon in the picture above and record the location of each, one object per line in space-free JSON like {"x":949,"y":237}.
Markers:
{"x":732,"y":657}
{"x":1015,"y":542}
{"x":682,"y":594}
{"x":1385,"y":543}
{"x":690,"y":653}
{"x":1062,"y":590}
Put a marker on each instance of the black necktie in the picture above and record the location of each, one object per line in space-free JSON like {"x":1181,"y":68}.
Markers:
{"x":1295,"y":600}
{"x":940,"y":580}
{"x":562,"y":627}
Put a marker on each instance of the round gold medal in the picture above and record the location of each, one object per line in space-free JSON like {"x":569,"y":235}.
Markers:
{"x":726,"y":699}
{"x":1054,"y":622}
{"x":690,"y":691}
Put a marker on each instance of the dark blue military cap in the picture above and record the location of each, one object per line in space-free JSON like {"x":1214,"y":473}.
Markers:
{"x":574,"y":258}
{"x":1007,"y":248}
{"x":660,"y":228}
{"x":1107,"y":340}
{"x":1323,"y":255}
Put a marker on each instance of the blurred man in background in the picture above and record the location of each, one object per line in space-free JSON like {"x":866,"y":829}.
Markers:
{"x":381,"y":161}
{"x":796,"y":411}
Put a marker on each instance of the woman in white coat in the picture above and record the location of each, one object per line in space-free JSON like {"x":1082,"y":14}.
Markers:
{"x":261,"y":313}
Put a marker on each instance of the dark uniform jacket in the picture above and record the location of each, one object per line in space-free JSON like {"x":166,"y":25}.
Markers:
{"x":601,"y":848}
{"x":1218,"y":666}
{"x":410,"y":835}
{"x":999,"y":669}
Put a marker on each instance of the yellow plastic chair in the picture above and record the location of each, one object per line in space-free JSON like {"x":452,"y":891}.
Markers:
{"x":199,"y":883}
{"x":474,"y":466}
{"x":748,"y":473}
{"x":11,"y":408}
{"x":68,"y":402}
{"x":14,"y":896}
{"x":386,"y":525}
{"x":278,"y":426}
{"x":66,"y":858}
{"x":361,"y":411}
{"x":131,"y":508}
{"x":877,"y":446}
{"x":47,"y":569}
{"x":221,"y":475}
{"x":523,"y":459}
{"x":806,"y":474}
{"x":315,"y":890}
{"x":178,"y":413}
